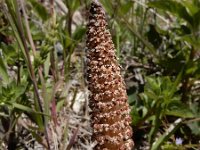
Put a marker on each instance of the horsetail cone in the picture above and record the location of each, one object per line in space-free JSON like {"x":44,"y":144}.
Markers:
{"x":110,"y":117}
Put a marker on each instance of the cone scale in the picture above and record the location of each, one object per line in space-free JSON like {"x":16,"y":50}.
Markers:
{"x":110,"y":117}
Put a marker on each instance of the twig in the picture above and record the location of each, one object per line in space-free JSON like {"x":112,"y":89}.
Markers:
{"x":52,"y":7}
{"x":32,"y":74}
{"x":33,"y":46}
{"x":72,"y":140}
{"x":192,"y":120}
{"x":52,"y":55}
{"x":81,"y":130}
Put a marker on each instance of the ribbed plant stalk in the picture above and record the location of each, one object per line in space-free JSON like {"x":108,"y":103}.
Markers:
{"x":110,"y":117}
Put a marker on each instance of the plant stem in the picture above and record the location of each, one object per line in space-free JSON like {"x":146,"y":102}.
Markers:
{"x":31,"y":70}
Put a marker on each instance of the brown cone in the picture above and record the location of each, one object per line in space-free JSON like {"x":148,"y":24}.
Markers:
{"x":110,"y":118}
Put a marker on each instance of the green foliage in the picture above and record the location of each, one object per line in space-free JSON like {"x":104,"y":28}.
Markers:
{"x":166,"y":135}
{"x":29,"y":60}
{"x":173,"y":7}
{"x":4,"y":74}
{"x":40,"y":10}
{"x":11,"y":92}
{"x":171,"y":50}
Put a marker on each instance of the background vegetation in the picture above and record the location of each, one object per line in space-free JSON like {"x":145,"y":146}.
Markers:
{"x":43,"y":96}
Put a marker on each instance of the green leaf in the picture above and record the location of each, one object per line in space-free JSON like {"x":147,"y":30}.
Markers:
{"x":194,"y":11}
{"x":160,"y":140}
{"x":60,"y":104}
{"x":191,"y":39}
{"x":11,"y":92}
{"x":40,"y":10}
{"x":125,"y":8}
{"x":37,"y":33}
{"x":195,"y":127}
{"x":195,"y":124}
{"x":27,"y":109}
{"x":132,"y":97}
{"x":156,"y":121}
{"x":72,"y":5}
{"x":135,"y":115}
{"x":11,"y":53}
{"x":3,"y":71}
{"x":79,"y":33}
{"x":191,"y":8}
{"x":173,"y":7}
{"x":178,"y":109}
{"x":183,"y":113}
{"x":75,"y":4}
{"x":196,"y":19}
{"x":23,"y":107}
{"x":153,"y":85}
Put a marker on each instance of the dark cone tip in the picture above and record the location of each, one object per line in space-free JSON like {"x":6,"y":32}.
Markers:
{"x":95,"y":7}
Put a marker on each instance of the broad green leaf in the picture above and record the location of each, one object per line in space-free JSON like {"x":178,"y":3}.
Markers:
{"x":192,"y":67}
{"x":68,"y":41}
{"x":183,"y":113}
{"x":40,"y":10}
{"x":37,"y":33}
{"x":194,"y":124}
{"x":11,"y":53}
{"x":178,"y":109}
{"x":135,"y":115}
{"x":132,"y":97}
{"x":3,"y":71}
{"x":79,"y":33}
{"x":151,"y":95}
{"x":11,"y":92}
{"x":195,"y":127}
{"x":153,"y":84}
